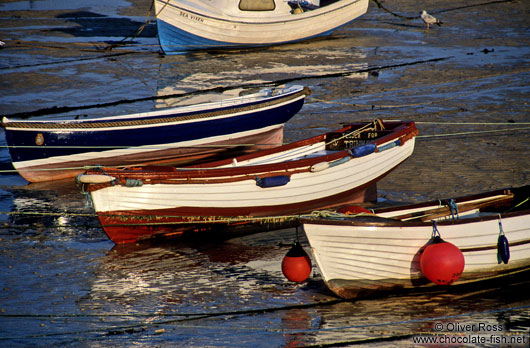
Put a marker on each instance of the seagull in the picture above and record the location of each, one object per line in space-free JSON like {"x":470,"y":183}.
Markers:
{"x":427,"y":18}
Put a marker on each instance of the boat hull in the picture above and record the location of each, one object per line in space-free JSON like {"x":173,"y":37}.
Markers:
{"x":366,"y":255}
{"x":175,"y":154}
{"x":43,"y":151}
{"x":136,"y":225}
{"x":189,"y":25}
{"x":193,"y":199}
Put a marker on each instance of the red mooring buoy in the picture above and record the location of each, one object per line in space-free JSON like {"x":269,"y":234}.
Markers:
{"x":353,"y":209}
{"x":442,"y":262}
{"x":296,"y":264}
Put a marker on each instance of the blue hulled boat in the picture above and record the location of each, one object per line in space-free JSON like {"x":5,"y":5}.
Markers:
{"x":57,"y":149}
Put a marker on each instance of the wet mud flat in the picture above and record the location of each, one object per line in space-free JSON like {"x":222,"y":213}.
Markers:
{"x":64,"y":284}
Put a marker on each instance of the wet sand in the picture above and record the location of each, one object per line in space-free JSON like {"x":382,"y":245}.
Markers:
{"x":468,"y":76}
{"x":464,"y":83}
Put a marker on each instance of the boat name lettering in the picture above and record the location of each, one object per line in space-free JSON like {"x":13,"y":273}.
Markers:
{"x":192,"y":17}
{"x":365,"y":135}
{"x":348,"y":144}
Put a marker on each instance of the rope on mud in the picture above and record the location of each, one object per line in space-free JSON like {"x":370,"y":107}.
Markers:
{"x":219,"y":89}
{"x":142,"y":327}
{"x":373,"y":106}
{"x":149,"y":147}
{"x":473,"y":123}
{"x":188,"y":219}
{"x":123,"y":329}
{"x":378,"y":3}
{"x":432,"y":136}
{"x":138,"y":31}
{"x":37,"y":213}
{"x":470,"y":133}
{"x":474,"y":5}
{"x":112,"y":55}
{"x":169,"y":315}
{"x":163,"y":147}
{"x":393,"y":13}
{"x":429,"y":85}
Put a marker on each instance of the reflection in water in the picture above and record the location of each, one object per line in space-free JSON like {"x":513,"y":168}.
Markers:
{"x":237,"y":289}
{"x":72,"y":285}
{"x":209,"y":276}
{"x":51,"y":211}
{"x":230,"y":71}
{"x":62,"y":285}
{"x":398,"y":318}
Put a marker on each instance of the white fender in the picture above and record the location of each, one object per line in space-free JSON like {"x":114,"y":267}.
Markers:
{"x":319,"y":167}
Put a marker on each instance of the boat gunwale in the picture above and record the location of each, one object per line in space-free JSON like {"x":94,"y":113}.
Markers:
{"x":188,"y":174}
{"x":305,"y":16}
{"x":369,"y":220}
{"x":401,"y":128}
{"x":161,"y":117}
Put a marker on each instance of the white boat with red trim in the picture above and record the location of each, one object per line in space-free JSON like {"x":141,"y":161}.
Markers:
{"x":323,"y":171}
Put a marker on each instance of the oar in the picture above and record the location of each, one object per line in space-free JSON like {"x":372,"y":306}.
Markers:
{"x":435,"y":213}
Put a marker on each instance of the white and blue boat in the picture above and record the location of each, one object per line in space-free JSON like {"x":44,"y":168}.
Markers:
{"x":44,"y":150}
{"x":187,"y":25}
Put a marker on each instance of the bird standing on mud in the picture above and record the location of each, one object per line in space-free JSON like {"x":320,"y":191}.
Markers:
{"x":428,"y":19}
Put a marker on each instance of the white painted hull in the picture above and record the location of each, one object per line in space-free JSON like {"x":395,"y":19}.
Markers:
{"x":360,"y":259}
{"x":200,"y":24}
{"x":303,"y":187}
{"x":314,"y":173}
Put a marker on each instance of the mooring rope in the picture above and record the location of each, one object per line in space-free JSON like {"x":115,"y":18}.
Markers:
{"x":476,"y":79}
{"x":165,"y":147}
{"x":139,"y":30}
{"x":216,"y":89}
{"x":470,"y":133}
{"x":474,"y":123}
{"x":189,"y":219}
{"x":373,"y":106}
{"x":393,"y":13}
{"x":124,"y":329}
{"x":423,"y":137}
{"x":378,"y":3}
{"x":144,"y":147}
{"x":389,"y":323}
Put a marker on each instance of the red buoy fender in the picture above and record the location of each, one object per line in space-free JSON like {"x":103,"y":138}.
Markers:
{"x":442,"y":262}
{"x":353,"y":209}
{"x":296,"y":264}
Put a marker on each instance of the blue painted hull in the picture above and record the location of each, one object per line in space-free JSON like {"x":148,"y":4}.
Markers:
{"x":188,"y":25}
{"x":161,"y":138}
{"x":176,"y":41}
